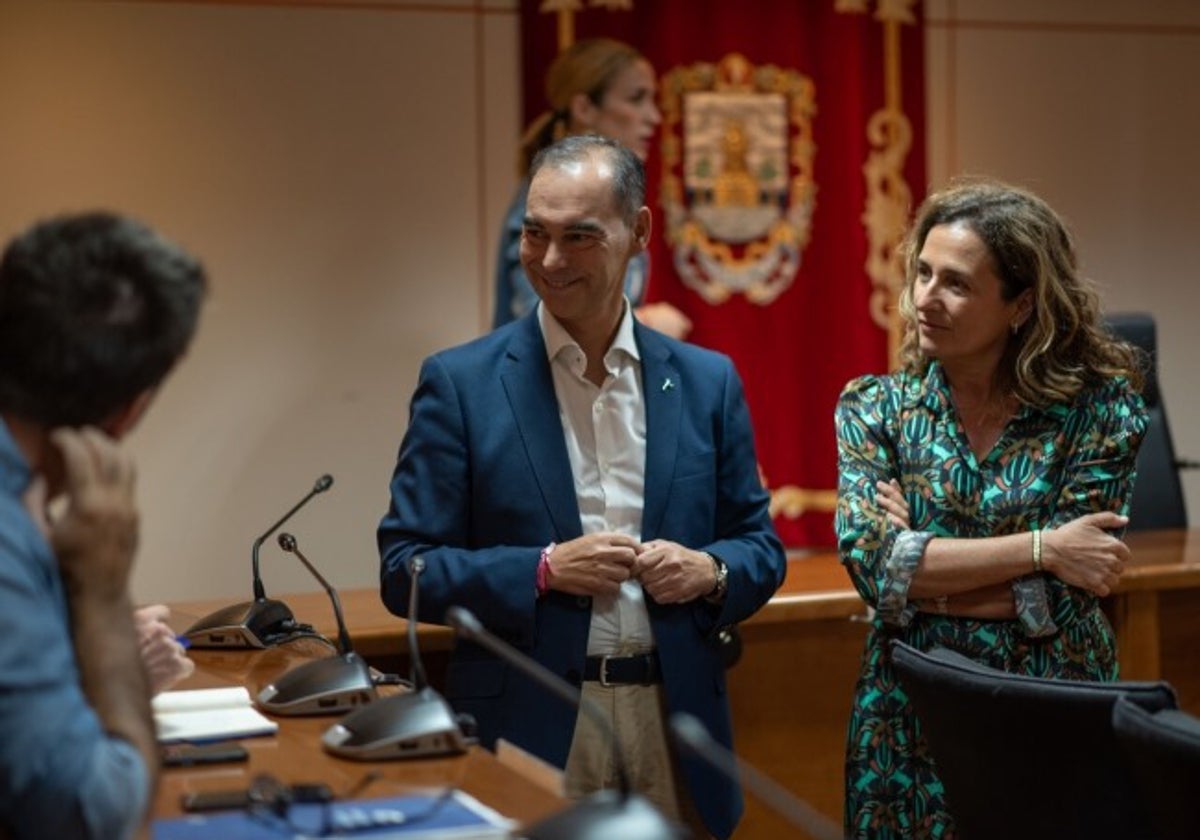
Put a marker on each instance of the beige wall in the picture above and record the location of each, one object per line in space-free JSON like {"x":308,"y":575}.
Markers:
{"x":342,"y":172}
{"x":1093,"y":104}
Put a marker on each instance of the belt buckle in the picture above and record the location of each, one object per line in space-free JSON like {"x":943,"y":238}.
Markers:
{"x":604,"y":672}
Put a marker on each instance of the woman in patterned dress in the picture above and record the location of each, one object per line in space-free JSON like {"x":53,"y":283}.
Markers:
{"x":983,"y":486}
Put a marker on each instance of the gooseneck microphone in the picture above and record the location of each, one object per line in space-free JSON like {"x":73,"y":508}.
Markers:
{"x":322,"y":484}
{"x":604,"y":815}
{"x":324,"y":686}
{"x":691,"y":734}
{"x":416,"y":668}
{"x":288,"y":543}
{"x":262,"y":622}
{"x":416,"y":724}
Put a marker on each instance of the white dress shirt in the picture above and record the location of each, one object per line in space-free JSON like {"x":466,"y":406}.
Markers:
{"x":605,"y":432}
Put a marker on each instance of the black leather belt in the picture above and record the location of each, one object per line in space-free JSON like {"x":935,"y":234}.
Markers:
{"x":623,"y":670}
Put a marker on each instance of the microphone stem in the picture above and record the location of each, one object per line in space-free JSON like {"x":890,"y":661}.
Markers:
{"x":798,"y":812}
{"x":416,"y":671}
{"x":691,"y":734}
{"x":260,"y":593}
{"x":343,"y":633}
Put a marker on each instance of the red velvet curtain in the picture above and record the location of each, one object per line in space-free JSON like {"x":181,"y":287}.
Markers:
{"x":828,"y":204}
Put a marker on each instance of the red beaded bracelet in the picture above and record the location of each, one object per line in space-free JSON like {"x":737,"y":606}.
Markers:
{"x":542,"y":581}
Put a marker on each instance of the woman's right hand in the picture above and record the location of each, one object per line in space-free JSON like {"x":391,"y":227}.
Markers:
{"x":1083,"y":553}
{"x":891,"y":501}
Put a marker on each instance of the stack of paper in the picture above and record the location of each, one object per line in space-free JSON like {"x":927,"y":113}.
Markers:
{"x":208,"y":714}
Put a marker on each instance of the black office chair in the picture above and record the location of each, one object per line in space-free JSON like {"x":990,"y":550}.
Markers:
{"x":1163,"y":751}
{"x":1023,"y":756}
{"x":1158,"y":493}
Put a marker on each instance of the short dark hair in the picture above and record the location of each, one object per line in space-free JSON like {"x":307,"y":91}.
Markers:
{"x":629,"y":176}
{"x":95,"y":309}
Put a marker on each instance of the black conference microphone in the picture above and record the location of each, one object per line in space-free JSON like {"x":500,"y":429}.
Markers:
{"x":417,"y":724}
{"x":262,"y":622}
{"x":692,"y":735}
{"x":324,"y":686}
{"x":605,"y":814}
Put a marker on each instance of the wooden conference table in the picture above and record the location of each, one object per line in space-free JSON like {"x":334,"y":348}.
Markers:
{"x":791,"y":691}
{"x":294,"y":754}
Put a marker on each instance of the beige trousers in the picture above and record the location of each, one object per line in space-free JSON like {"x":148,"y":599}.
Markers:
{"x":636,"y":713}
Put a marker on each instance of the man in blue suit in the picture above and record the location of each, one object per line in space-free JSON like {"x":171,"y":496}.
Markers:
{"x":589,"y":489}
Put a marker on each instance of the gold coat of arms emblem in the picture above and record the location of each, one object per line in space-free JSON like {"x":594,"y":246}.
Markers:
{"x":738,"y":188}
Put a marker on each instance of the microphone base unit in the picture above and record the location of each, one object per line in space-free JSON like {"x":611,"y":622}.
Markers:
{"x":607,"y":815}
{"x":261,"y":623}
{"x":334,"y":685}
{"x":419,"y":724}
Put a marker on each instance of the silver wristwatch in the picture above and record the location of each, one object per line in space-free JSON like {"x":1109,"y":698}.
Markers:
{"x":721,"y":571}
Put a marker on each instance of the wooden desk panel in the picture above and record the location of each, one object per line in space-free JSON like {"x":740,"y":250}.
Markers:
{"x":816,"y":588}
{"x":1162,"y":560}
{"x":790,"y":697}
{"x":1164,"y":564}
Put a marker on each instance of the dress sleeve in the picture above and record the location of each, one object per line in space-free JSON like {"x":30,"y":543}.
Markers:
{"x":1104,"y":432}
{"x":880,"y":560}
{"x":1031,"y":597}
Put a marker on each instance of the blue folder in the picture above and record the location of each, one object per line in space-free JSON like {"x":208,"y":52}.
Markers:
{"x":450,"y":815}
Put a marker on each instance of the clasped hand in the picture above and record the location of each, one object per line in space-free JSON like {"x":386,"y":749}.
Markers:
{"x":597,"y":564}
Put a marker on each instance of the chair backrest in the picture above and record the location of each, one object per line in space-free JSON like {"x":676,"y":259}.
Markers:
{"x":1158,"y":494}
{"x":1163,"y":751}
{"x":1024,"y":756}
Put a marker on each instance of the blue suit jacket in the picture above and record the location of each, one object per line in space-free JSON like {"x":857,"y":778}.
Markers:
{"x":483,"y":482}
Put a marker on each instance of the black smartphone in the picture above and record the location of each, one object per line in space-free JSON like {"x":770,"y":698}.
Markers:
{"x":234,"y":799}
{"x":216,"y":800}
{"x":312,"y":792}
{"x":187,"y":755}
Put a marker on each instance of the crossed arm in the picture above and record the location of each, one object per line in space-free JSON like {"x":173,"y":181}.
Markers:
{"x":974,"y":576}
{"x":1078,"y":517}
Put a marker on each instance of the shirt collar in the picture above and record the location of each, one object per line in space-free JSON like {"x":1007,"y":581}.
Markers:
{"x":15,"y":474}
{"x":935,"y":396}
{"x":558,"y":339}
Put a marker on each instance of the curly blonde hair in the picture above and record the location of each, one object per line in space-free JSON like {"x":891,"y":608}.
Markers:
{"x":1064,"y":345}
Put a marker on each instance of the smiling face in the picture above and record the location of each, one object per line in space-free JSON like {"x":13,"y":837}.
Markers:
{"x":575,"y":244}
{"x":626,"y":111}
{"x":962,"y":317}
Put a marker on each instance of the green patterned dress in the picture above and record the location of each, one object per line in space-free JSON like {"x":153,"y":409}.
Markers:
{"x":1049,"y":466}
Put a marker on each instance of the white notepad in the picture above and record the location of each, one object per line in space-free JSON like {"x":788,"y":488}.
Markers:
{"x":208,"y":714}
